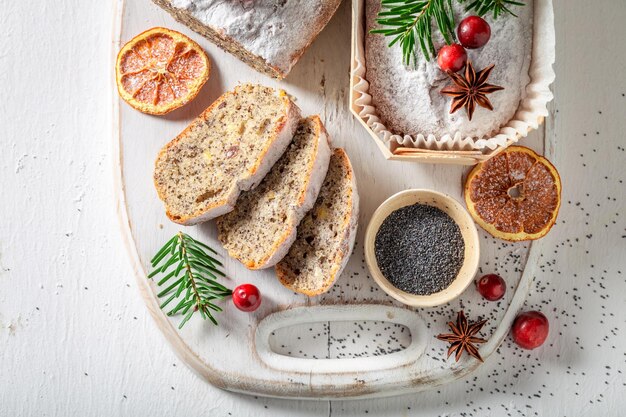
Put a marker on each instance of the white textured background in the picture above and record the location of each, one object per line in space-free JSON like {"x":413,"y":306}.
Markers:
{"x":75,"y":338}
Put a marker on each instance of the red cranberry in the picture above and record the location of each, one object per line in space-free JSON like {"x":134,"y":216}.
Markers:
{"x":473,"y":32}
{"x":530,"y":329}
{"x":246,"y":297}
{"x":452,"y":58}
{"x":491,"y":286}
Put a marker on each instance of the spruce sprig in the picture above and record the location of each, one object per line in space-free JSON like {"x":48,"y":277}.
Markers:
{"x":194,"y":273}
{"x":496,"y":7}
{"x":409,"y":22}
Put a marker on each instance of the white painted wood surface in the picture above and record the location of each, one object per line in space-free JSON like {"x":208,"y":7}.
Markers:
{"x":75,"y":337}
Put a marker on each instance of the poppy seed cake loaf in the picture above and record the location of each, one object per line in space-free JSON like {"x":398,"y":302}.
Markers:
{"x":262,"y":227}
{"x":406,"y":98}
{"x":270,"y":36}
{"x":229,"y":148}
{"x":326,"y":234}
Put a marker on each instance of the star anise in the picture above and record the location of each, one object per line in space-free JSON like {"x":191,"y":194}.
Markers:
{"x":462,"y":337}
{"x":471,"y":89}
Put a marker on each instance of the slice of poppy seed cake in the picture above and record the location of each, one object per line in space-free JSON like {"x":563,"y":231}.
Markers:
{"x":229,"y":148}
{"x":326,"y":234}
{"x":262,"y":228}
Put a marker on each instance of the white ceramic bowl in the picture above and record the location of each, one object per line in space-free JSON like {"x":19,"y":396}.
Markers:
{"x":468,"y":230}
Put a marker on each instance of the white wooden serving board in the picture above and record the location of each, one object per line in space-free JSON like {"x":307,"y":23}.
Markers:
{"x":352,"y":342}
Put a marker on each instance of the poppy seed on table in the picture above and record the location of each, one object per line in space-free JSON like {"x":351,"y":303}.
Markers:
{"x":419,"y":249}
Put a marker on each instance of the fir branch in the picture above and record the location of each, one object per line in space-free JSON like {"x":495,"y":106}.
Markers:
{"x":496,"y":7}
{"x":185,"y":261}
{"x":410,"y":21}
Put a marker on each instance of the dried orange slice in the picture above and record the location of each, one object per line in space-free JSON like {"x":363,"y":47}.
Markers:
{"x":160,"y":70}
{"x":515,"y":195}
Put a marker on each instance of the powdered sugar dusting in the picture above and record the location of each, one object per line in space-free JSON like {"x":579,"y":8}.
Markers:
{"x":408,"y":99}
{"x":273,"y":30}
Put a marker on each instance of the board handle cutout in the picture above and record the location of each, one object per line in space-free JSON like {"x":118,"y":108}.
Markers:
{"x":331,"y":313}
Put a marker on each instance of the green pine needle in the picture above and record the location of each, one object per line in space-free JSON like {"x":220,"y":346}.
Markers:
{"x":496,"y":7}
{"x":410,"y":22}
{"x":194,"y":287}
